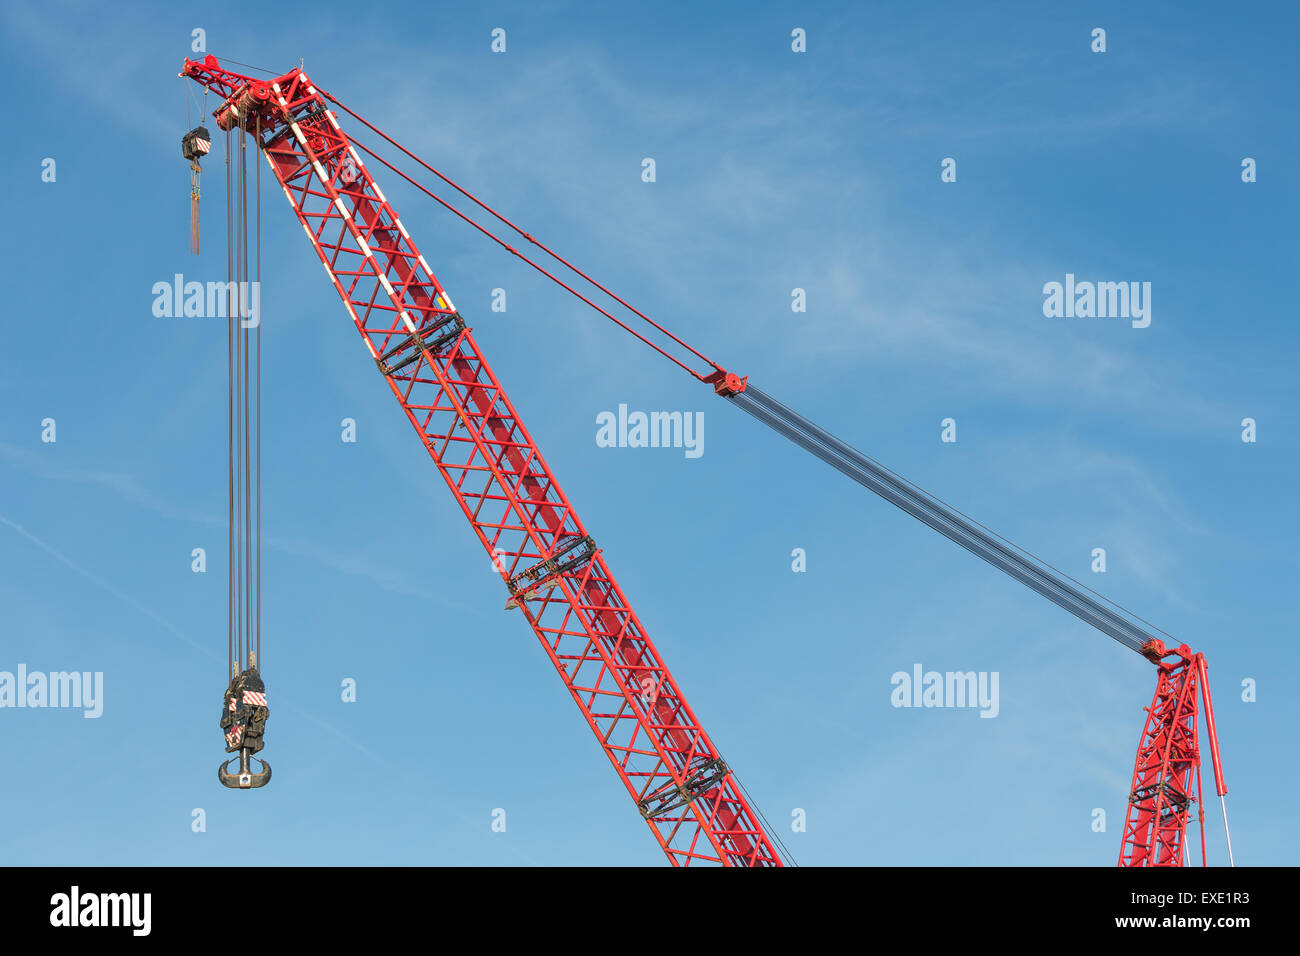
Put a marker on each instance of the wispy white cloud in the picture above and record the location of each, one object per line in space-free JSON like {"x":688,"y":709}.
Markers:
{"x":99,"y":63}
{"x":740,"y":177}
{"x":127,"y":487}
{"x":110,"y":588}
{"x":119,"y":483}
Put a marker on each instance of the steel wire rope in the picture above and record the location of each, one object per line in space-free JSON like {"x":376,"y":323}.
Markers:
{"x":519,"y":230}
{"x":232,"y":652}
{"x":770,"y":411}
{"x":511,"y":249}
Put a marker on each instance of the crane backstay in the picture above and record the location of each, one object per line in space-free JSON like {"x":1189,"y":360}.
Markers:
{"x":555,"y":574}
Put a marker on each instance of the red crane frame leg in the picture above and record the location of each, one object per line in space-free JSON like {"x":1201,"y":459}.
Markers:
{"x":688,"y":796}
{"x":1161,"y":798}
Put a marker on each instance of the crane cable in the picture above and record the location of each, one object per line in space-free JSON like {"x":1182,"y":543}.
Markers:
{"x":244,"y":711}
{"x":1030,"y":570}
{"x":257,"y":280}
{"x":1223,"y":805}
{"x":1093,"y":608}
{"x":786,"y":856}
{"x":231,"y":612}
{"x":511,"y":249}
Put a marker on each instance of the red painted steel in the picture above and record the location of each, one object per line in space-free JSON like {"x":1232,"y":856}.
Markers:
{"x":1168,"y":760}
{"x":688,"y":796}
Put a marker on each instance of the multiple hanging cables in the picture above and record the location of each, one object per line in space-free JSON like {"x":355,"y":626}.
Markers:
{"x":244,"y":407}
{"x":244,"y":711}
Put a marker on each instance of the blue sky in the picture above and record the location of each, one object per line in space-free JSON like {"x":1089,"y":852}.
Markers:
{"x":775,"y":170}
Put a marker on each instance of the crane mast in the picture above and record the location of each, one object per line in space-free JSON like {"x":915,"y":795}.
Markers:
{"x":556,"y":575}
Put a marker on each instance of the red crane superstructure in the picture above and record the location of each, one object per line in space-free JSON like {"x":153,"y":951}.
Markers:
{"x":556,"y":576}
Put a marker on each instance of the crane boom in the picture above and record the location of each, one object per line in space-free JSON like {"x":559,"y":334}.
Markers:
{"x":557,"y":577}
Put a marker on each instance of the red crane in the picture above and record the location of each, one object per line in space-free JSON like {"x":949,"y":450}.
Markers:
{"x":556,"y":576}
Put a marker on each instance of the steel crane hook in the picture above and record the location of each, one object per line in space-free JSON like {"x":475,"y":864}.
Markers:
{"x":245,"y":779}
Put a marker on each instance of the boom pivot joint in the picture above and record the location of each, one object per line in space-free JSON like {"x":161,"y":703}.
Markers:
{"x":1155,"y":651}
{"x":726,"y":383}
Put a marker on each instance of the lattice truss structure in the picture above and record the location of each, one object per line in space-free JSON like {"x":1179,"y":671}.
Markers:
{"x":555,"y":574}
{"x":1168,"y":763}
